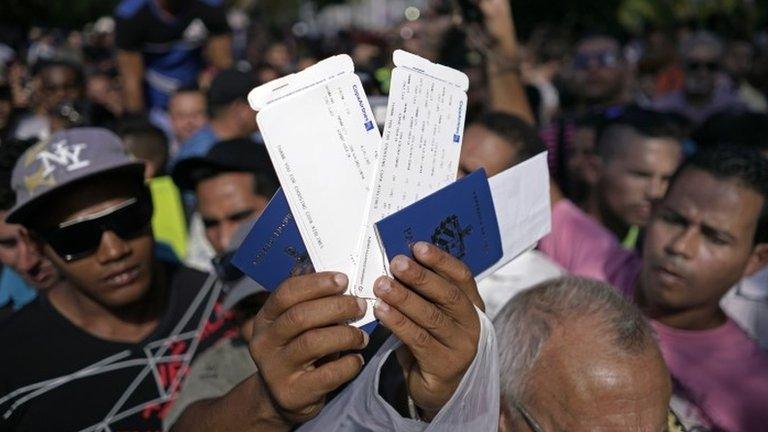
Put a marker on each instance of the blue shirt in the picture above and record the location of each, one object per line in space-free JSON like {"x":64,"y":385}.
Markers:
{"x":14,"y":290}
{"x":171,"y":45}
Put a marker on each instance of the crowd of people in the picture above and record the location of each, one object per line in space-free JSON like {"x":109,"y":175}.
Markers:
{"x":131,"y":169}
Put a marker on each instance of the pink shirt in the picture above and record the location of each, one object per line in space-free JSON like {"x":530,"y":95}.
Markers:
{"x":721,"y":372}
{"x":581,"y":245}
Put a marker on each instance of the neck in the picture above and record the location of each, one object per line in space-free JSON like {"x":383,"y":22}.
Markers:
{"x":130,"y":324}
{"x":596,"y":207}
{"x":706,"y":317}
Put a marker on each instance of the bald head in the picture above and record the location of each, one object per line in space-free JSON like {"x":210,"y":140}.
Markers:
{"x":576,"y":356}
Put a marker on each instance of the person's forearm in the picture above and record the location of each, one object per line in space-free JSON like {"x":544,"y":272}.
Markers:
{"x":247,"y":407}
{"x":131,"y":66}
{"x":219,"y":51}
{"x":505,"y":83}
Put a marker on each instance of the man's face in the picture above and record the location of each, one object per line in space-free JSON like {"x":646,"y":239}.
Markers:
{"x":573,"y":389}
{"x":701,"y":66}
{"x":638,"y":176}
{"x":21,"y":255}
{"x":224,"y":201}
{"x":484,"y":149}
{"x":58,"y":84}
{"x":699,"y":242}
{"x":187,"y":114}
{"x":119,"y":272}
{"x":599,"y":71}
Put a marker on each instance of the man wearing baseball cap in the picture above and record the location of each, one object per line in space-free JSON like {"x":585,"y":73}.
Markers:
{"x":108,"y":347}
{"x":232,"y":183}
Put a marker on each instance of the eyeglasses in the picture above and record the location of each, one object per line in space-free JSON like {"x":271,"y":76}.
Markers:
{"x":81,"y":237}
{"x":532,"y":424}
{"x":673,"y":424}
{"x":607,"y":59}
{"x":709,"y":66}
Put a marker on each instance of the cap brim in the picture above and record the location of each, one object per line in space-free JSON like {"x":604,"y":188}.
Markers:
{"x":21,"y":212}
{"x":182,"y":171}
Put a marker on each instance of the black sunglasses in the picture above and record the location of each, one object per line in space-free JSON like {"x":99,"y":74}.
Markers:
{"x":81,"y":237}
{"x":607,"y":59}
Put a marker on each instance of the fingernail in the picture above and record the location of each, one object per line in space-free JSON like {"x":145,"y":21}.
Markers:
{"x":362,"y":360}
{"x":383,"y":286}
{"x":340,"y":279}
{"x":366,"y":338}
{"x":399,"y":264}
{"x":381,"y":305}
{"x":362,"y":305}
{"x":421,"y":248}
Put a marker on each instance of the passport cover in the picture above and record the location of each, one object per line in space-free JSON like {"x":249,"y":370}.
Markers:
{"x":459,"y":219}
{"x":273,"y":251}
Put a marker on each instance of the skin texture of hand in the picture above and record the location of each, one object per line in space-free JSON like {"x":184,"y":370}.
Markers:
{"x":298,"y":335}
{"x":430,"y":307}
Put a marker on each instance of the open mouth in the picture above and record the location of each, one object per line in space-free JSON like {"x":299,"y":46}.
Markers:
{"x":123,"y":277}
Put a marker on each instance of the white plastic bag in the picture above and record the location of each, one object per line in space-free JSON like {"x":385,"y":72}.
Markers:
{"x":473,"y":407}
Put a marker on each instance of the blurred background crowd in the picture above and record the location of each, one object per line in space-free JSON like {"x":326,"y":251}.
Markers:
{"x":620,"y":92}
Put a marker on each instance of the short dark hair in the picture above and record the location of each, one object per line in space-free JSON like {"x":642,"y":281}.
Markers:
{"x":10,"y":152}
{"x":746,"y":129}
{"x":151,"y":143}
{"x":745,"y":165}
{"x":641,"y":121}
{"x":514,"y":130}
{"x":265,"y":182}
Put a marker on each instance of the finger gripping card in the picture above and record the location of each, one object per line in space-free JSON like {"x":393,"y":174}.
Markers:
{"x":460,"y":219}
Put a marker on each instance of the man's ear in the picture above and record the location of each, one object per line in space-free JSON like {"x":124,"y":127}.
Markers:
{"x":758,"y":260}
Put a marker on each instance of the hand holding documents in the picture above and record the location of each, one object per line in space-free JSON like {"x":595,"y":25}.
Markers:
{"x":420,"y":152}
{"x":351,"y":200}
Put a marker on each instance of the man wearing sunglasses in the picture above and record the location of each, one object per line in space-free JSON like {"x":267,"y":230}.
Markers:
{"x":701,"y":96}
{"x":109,"y":346}
{"x":55,"y":83}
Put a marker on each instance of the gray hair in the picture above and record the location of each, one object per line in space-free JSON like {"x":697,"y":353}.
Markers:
{"x":525,"y":324}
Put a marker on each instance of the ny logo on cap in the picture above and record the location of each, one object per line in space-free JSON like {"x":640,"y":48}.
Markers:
{"x":67,"y":156}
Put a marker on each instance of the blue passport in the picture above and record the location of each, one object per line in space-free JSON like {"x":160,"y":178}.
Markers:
{"x":459,"y":219}
{"x":273,"y":251}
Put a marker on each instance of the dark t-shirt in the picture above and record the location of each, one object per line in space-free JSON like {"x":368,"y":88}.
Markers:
{"x":56,"y":377}
{"x":171,"y":45}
